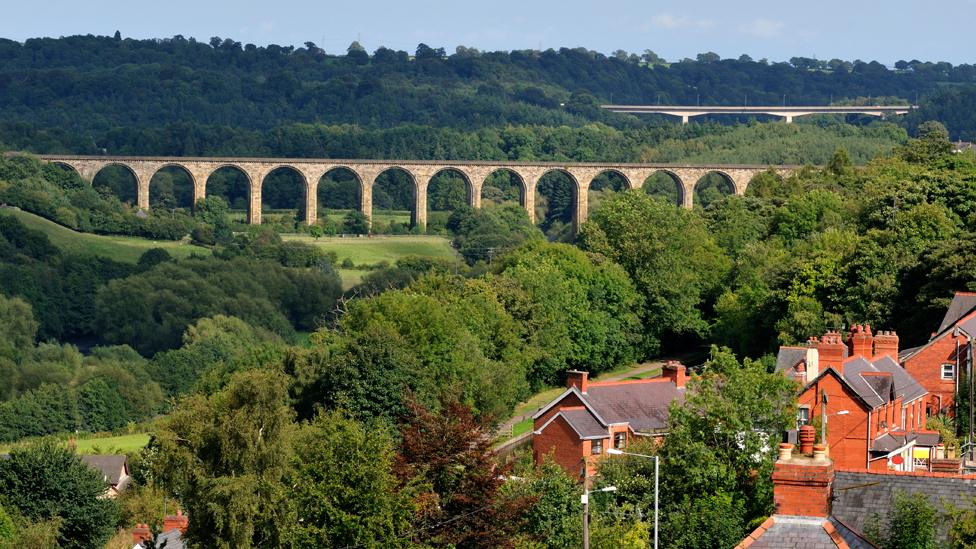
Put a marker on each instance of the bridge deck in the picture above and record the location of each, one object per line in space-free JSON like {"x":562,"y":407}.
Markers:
{"x":380,"y":162}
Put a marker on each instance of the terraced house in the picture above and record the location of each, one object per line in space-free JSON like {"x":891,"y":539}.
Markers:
{"x":578,"y":426}
{"x":941,"y":364}
{"x":871,"y":410}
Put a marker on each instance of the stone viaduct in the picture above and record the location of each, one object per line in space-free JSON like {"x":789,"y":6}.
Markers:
{"x":474,"y":173}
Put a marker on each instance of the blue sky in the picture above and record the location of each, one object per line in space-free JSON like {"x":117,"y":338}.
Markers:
{"x":852,"y":29}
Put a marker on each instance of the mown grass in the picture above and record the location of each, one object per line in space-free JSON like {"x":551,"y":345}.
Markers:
{"x":98,"y":445}
{"x":126,"y":249}
{"x":123,"y":444}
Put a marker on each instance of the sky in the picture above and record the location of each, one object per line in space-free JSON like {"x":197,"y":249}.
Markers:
{"x":777,"y":30}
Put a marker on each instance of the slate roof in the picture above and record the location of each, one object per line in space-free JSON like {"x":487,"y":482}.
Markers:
{"x":875,"y":389}
{"x":962,"y":304}
{"x":642,"y":404}
{"x":583,"y":422}
{"x":858,"y":495}
{"x":887,"y":443}
{"x":969,"y":325}
{"x":787,"y":357}
{"x":793,"y":532}
{"x":111,"y":467}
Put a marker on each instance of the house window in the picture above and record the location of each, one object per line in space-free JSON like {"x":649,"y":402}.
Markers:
{"x":802,"y":417}
{"x":948,"y":371}
{"x":596,"y":447}
{"x":620,"y":440}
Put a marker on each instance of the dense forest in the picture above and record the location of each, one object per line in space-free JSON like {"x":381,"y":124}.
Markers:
{"x":86,"y":85}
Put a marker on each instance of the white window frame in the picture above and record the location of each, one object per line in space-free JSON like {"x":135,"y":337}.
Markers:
{"x":622,"y":438}
{"x":952,"y":371}
{"x":596,"y":446}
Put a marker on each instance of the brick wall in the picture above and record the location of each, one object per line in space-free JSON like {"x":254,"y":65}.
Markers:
{"x":926,"y":368}
{"x":560,"y":440}
{"x":568,"y":401}
{"x":802,"y":488}
{"x":847,"y":435}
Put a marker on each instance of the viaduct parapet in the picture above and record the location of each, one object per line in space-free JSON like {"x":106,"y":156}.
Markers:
{"x":474,"y":173}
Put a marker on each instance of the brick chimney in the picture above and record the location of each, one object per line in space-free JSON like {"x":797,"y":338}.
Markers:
{"x":179,"y":521}
{"x":802,"y":485}
{"x":831,"y":350}
{"x":886,"y":344}
{"x":860,"y":341}
{"x":578,"y":379}
{"x":675,"y":371}
{"x":141,"y":533}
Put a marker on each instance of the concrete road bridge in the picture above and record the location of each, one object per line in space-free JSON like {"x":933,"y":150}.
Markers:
{"x":787,"y":113}
{"x":474,"y":173}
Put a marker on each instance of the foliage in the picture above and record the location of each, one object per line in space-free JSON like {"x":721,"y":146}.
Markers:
{"x":151,"y":310}
{"x":225,"y":457}
{"x":581,"y":311}
{"x":553,"y":520}
{"x":669,"y":255}
{"x":344,"y":488}
{"x":910,"y":523}
{"x":451,"y":454}
{"x":483,"y":234}
{"x":45,"y":481}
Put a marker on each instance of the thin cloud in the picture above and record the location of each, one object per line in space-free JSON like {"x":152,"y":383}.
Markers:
{"x":668,"y":21}
{"x":763,"y":28}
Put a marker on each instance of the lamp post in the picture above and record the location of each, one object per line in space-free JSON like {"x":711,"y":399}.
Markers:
{"x":616,"y":452}
{"x":585,"y":500}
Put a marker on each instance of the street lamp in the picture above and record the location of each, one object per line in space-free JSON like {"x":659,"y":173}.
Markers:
{"x":585,"y":500}
{"x":616,"y":452}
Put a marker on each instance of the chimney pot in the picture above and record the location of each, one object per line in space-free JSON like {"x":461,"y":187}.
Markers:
{"x":785,"y":451}
{"x":807,"y":435}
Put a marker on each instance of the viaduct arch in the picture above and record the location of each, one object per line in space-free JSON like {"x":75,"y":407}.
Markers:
{"x":421,"y":172}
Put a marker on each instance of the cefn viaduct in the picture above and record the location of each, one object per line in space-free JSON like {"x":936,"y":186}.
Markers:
{"x":420,"y":172}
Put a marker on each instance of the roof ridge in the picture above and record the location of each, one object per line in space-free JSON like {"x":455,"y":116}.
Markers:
{"x":658,"y":379}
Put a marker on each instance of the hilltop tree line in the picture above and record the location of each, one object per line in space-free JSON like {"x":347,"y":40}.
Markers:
{"x":92,"y":83}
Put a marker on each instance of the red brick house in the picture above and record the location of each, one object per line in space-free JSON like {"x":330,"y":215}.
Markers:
{"x":588,"y":417}
{"x":875,"y":410}
{"x":937,"y":365}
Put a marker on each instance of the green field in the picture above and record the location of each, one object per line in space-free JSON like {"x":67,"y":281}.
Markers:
{"x":120,"y":248}
{"x":123,"y":444}
{"x":363,"y":251}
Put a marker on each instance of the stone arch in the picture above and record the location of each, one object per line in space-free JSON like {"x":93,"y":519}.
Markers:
{"x":388,"y":198}
{"x":67,"y":166}
{"x":97,"y":171}
{"x":229,"y":188}
{"x":332,"y":199}
{"x":186,"y":171}
{"x":281,"y":197}
{"x":499,"y":191}
{"x":602,"y":184}
{"x":443,"y":196}
{"x":665,"y":183}
{"x":708,"y":187}
{"x":556,"y":207}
